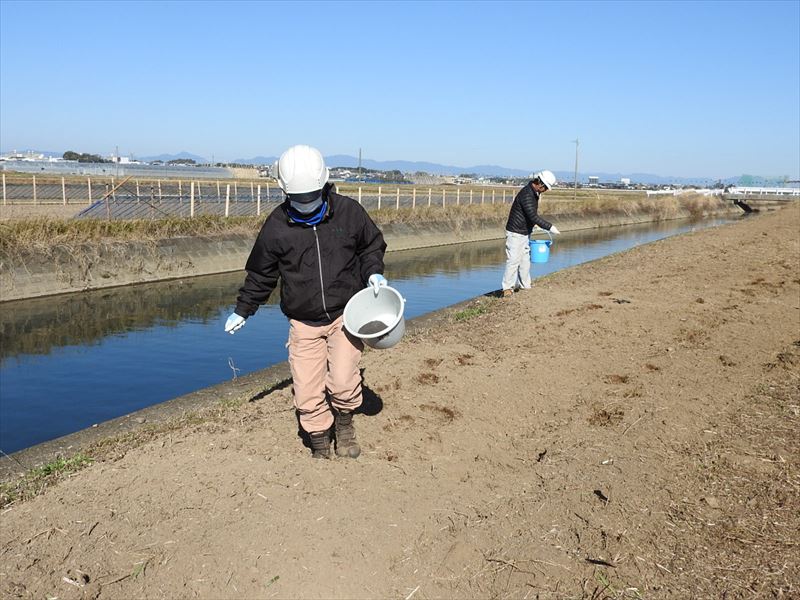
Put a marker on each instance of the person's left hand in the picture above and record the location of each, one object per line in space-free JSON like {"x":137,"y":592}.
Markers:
{"x":234,"y":323}
{"x":554,"y":230}
{"x":377,"y":281}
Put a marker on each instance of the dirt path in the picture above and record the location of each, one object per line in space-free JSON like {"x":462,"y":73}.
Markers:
{"x":627,"y":429}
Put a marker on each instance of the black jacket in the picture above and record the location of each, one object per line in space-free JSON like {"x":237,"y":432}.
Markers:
{"x":523,"y":215}
{"x":321,"y":267}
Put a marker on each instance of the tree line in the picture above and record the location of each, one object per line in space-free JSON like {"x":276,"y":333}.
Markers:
{"x":84,"y":157}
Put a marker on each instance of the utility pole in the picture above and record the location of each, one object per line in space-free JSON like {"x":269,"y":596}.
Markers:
{"x":116,"y":160}
{"x":575,"y":182}
{"x":359,"y":164}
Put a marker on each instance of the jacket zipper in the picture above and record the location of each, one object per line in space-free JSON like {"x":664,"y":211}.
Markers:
{"x":321,"y":282}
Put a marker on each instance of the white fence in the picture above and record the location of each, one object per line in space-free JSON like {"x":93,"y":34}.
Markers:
{"x":129,"y":198}
{"x":764,"y":191}
{"x":703,"y":192}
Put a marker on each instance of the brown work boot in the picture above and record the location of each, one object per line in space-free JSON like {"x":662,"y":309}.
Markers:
{"x":508,"y":293}
{"x":320,"y":444}
{"x":346,"y":444}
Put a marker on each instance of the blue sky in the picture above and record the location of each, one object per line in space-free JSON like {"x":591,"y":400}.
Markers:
{"x":689,"y":89}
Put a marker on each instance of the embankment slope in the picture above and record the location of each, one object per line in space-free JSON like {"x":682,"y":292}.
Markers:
{"x":43,"y":268}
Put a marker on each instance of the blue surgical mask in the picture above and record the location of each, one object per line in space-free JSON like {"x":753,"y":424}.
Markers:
{"x":308,"y":207}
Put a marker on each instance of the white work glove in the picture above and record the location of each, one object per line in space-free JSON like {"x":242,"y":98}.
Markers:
{"x":377,"y":281}
{"x":554,"y":230}
{"x":234,"y":323}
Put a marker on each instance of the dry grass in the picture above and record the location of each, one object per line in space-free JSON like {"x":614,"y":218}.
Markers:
{"x":42,"y":234}
{"x":437,"y":214}
{"x":660,"y":207}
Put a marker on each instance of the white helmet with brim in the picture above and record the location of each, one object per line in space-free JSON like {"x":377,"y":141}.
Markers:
{"x":547,"y":178}
{"x":300,"y":170}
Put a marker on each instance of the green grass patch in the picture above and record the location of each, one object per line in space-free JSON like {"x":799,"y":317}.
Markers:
{"x":230,"y":403}
{"x":62,"y":466}
{"x":36,"y":480}
{"x":469,"y":313}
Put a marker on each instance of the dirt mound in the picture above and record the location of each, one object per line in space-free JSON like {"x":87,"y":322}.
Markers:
{"x":628,"y":428}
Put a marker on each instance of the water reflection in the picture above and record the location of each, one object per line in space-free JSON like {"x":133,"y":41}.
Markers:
{"x":36,"y":326}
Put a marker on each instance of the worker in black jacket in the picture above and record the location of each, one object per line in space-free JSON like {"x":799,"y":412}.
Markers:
{"x":521,"y":220}
{"x":325,"y":248}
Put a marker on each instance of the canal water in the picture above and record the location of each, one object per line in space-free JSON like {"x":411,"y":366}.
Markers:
{"x":68,"y":362}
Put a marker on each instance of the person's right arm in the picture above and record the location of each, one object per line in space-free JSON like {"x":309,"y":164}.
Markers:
{"x":530,"y":206}
{"x":261,"y":279}
{"x":371,"y":247}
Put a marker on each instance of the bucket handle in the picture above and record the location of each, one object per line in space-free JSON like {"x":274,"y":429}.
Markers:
{"x":535,"y":231}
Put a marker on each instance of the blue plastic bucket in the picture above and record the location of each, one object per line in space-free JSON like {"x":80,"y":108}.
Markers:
{"x":540,"y":249}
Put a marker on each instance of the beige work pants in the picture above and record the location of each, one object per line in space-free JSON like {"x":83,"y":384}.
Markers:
{"x":324,"y":362}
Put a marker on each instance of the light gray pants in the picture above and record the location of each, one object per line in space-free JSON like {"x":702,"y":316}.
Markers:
{"x":518,"y":262}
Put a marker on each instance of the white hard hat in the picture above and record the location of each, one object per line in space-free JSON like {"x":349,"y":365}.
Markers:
{"x":301,"y":169}
{"x":547,"y":178}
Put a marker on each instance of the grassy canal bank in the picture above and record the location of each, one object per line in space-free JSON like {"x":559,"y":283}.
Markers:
{"x":44,"y":256}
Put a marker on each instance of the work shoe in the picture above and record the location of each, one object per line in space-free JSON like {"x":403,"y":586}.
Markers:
{"x":320,"y":444}
{"x":346,"y":444}
{"x":508,"y":293}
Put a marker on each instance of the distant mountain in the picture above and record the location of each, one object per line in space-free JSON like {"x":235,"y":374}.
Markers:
{"x":496,"y":171}
{"x":169,"y":157}
{"x":406,"y":166}
{"x":257,"y":160}
{"x":341,"y":160}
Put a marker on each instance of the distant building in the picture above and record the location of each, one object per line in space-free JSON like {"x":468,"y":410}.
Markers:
{"x":28,"y":156}
{"x":340,"y":173}
{"x":594,"y":180}
{"x":626,"y":181}
{"x":123,"y":160}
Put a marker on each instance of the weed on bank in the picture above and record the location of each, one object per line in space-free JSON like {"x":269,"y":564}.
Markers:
{"x":42,"y":234}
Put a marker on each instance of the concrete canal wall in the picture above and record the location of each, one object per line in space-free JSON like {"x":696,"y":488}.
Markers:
{"x":101,"y":265}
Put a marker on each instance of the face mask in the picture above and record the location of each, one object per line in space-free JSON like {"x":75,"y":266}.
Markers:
{"x":308,"y":207}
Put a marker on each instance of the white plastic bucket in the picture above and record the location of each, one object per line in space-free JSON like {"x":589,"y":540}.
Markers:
{"x":376,"y":318}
